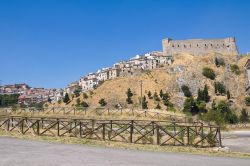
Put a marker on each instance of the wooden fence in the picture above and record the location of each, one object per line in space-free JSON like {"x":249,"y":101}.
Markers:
{"x":131,"y":131}
{"x":153,"y":114}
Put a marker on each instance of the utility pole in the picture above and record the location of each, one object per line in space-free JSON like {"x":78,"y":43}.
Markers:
{"x":141,"y":96}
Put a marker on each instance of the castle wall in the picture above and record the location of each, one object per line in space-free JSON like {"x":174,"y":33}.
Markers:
{"x":225,"y":46}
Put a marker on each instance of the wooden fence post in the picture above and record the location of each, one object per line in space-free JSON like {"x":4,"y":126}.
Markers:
{"x":131,"y":131}
{"x":58,"y":128}
{"x":38,"y":127}
{"x":218,"y":130}
{"x":188,"y":138}
{"x":103,"y":131}
{"x":80,"y":130}
{"x":157,"y":135}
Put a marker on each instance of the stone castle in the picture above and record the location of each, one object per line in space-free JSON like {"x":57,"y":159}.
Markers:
{"x":225,"y":46}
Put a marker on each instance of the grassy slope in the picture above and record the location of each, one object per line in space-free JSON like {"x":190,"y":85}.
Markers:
{"x":114,"y":91}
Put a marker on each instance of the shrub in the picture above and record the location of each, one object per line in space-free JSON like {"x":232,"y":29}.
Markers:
{"x":221,"y":114}
{"x":85,"y":96}
{"x":247,"y":101}
{"x":158,"y":106}
{"x":219,"y":62}
{"x":208,"y":72}
{"x":84,"y":104}
{"x":219,"y":88}
{"x":66,"y":98}
{"x":186,"y":91}
{"x":102,"y":102}
{"x":77,"y":92}
{"x":156,"y":97}
{"x":235,"y":69}
{"x":244,"y":117}
{"x":150,"y":95}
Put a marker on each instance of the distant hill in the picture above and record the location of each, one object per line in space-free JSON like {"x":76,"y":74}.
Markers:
{"x":185,"y":70}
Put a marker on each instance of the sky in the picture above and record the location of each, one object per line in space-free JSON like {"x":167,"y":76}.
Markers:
{"x":50,"y":43}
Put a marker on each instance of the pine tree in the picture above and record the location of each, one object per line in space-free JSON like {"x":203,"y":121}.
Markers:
{"x":200,"y":95}
{"x":186,"y":91}
{"x":129,"y":96}
{"x":149,"y":95}
{"x":66,"y":98}
{"x":144,"y":103}
{"x":206,"y":97}
{"x":161,"y":94}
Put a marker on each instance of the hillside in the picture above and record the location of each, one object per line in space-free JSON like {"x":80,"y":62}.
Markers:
{"x":186,"y":69}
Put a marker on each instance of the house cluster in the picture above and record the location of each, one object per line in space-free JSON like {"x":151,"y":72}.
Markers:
{"x":14,"y":89}
{"x":40,"y":95}
{"x":29,"y":95}
{"x":133,"y":66}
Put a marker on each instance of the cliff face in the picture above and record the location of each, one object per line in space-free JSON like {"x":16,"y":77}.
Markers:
{"x":185,"y":70}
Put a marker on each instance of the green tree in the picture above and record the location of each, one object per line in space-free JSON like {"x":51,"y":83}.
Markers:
{"x":190,"y":106}
{"x":150,"y":95}
{"x":66,"y":98}
{"x":244,"y":117}
{"x":203,"y":94}
{"x":158,"y":106}
{"x":219,"y":88}
{"x":102,"y":102}
{"x":7,"y":100}
{"x":77,"y":92}
{"x":209,"y":73}
{"x":144,"y":103}
{"x":156,"y":97}
{"x":186,"y":91}
{"x":129,"y":96}
{"x":161,"y":93}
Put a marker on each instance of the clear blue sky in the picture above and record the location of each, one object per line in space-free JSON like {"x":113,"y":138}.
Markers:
{"x":50,"y":43}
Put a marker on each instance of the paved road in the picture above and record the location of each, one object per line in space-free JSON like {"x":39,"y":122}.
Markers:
{"x":16,"y":152}
{"x":237,"y":141}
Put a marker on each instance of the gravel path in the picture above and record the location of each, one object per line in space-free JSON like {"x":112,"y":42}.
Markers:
{"x":17,"y":152}
{"x":237,"y":141}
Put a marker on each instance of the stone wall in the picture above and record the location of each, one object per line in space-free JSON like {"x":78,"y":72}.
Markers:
{"x":225,"y":46}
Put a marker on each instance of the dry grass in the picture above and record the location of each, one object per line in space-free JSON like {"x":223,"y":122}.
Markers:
{"x":114,"y":91}
{"x":120,"y":145}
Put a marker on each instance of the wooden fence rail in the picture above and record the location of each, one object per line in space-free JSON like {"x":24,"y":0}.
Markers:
{"x":130,"y":131}
{"x":153,"y":114}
